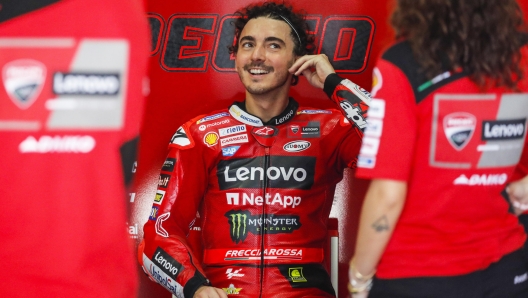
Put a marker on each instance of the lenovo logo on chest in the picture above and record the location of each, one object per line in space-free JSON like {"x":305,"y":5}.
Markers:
{"x":503,"y":130}
{"x":293,"y":172}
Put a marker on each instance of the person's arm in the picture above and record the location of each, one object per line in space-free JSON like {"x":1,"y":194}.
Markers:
{"x":518,"y":194}
{"x":351,"y":99}
{"x":164,"y":254}
{"x":380,"y":212}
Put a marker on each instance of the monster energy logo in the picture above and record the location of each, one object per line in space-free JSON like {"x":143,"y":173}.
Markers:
{"x":242,"y":222}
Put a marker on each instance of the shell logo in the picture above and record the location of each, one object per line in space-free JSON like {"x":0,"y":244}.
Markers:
{"x":211,"y":139}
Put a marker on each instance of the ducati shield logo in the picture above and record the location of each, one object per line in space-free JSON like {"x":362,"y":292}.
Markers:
{"x":459,"y":128}
{"x":23,"y":81}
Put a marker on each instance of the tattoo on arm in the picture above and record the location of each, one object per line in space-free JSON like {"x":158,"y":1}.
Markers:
{"x":381,"y":224}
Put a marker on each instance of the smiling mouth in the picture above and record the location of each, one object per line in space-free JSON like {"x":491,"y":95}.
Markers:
{"x":258,"y":70}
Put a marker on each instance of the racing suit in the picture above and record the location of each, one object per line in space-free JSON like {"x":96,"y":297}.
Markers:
{"x":263,"y":192}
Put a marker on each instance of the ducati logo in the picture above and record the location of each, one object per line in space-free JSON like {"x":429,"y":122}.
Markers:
{"x":294,"y":128}
{"x":459,"y":128}
{"x":23,"y":81}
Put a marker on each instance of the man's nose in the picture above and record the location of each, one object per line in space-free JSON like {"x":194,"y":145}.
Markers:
{"x":258,"y":53}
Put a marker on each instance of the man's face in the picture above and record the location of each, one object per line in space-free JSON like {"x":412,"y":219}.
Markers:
{"x":265,"y":53}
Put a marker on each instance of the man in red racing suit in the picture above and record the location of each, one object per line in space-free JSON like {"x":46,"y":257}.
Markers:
{"x":263,"y":190}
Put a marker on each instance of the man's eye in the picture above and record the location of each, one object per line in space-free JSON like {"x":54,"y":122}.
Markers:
{"x":274,"y":46}
{"x":247,"y":45}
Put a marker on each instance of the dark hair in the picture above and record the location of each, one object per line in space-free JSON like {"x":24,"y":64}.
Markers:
{"x":277,"y":11}
{"x":483,"y":37}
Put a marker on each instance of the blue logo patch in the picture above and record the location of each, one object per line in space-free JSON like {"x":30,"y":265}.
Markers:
{"x":229,"y":151}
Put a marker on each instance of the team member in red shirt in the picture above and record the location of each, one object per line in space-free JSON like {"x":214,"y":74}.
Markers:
{"x":446,"y":134}
{"x":71,"y":101}
{"x":261,"y":174}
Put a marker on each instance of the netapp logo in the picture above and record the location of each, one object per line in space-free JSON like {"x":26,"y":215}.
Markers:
{"x":295,"y":172}
{"x":86,"y":84}
{"x":268,"y":199}
{"x":166,"y":263}
{"x":503,"y":129}
{"x":57,"y":144}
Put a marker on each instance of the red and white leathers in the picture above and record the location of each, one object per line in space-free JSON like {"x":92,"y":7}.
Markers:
{"x":263,"y":192}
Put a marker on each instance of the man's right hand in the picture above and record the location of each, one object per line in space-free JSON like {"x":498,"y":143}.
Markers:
{"x":209,"y":292}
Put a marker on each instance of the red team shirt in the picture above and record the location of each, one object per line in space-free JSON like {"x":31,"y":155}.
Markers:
{"x":456,"y":148}
{"x":70,"y":100}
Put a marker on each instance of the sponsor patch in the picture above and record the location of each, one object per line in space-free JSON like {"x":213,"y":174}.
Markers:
{"x":459,"y":128}
{"x":353,"y":113}
{"x":23,"y":81}
{"x":313,"y":112}
{"x":168,"y":165}
{"x":296,"y":274}
{"x":377,"y":108}
{"x":243,"y":199}
{"x":370,"y":146}
{"x":244,"y":117}
{"x":211,"y":139}
{"x":266,"y":131}
{"x":163,"y":180}
{"x":162,"y":278}
{"x":231,"y":130}
{"x":305,"y":130}
{"x":232,"y":290}
{"x":230,"y":151}
{"x":366,"y":161}
{"x":159,"y":225}
{"x":296,"y":146}
{"x":230,"y":273}
{"x":503,"y":129}
{"x":86,"y":84}
{"x":153,"y":213}
{"x":212,"y":117}
{"x":256,"y":254}
{"x":374,"y":128}
{"x":243,"y":138}
{"x":166,"y":263}
{"x":181,"y":138}
{"x":292,"y":172}
{"x":57,"y":144}
{"x":242,"y":222}
{"x":482,"y":180}
{"x":160,"y":194}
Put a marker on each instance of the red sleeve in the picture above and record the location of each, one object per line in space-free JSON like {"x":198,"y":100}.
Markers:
{"x":164,"y":253}
{"x":389,"y":140}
